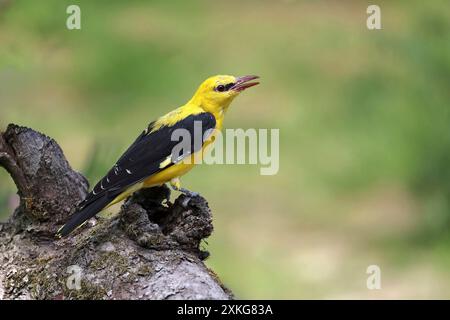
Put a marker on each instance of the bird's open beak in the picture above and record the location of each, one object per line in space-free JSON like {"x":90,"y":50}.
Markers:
{"x":243,"y":83}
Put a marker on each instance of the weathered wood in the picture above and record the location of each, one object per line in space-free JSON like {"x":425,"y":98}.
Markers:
{"x":151,"y":250}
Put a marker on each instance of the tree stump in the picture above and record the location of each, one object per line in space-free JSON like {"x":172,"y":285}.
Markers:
{"x":150,"y":250}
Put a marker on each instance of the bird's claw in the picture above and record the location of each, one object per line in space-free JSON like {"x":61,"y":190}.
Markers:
{"x":190,"y":194}
{"x":187,"y":193}
{"x":185,"y":202}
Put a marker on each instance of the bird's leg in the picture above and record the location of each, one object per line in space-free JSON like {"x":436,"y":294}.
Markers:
{"x":176,"y":185}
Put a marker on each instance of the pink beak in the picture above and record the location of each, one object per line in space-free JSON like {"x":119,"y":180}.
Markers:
{"x":243,"y":83}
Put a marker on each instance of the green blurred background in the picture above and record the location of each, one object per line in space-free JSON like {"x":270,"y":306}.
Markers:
{"x":363,"y":115}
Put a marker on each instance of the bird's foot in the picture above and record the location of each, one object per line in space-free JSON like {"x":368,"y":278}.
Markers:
{"x":188,"y":196}
{"x":189,"y":193}
{"x":185,"y":202}
{"x":175,"y":184}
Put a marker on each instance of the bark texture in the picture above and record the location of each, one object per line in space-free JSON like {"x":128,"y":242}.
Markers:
{"x":151,"y":250}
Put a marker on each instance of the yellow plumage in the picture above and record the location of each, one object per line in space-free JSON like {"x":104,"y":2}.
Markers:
{"x":203,"y":100}
{"x":131,"y":173}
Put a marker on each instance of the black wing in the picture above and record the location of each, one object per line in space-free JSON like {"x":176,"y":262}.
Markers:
{"x":144,"y":157}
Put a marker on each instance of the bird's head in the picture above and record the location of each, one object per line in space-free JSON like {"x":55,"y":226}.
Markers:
{"x":216,"y":93}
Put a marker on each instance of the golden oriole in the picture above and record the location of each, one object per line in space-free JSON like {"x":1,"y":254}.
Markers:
{"x":149,"y":161}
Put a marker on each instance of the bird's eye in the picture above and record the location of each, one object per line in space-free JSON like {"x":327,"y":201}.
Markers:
{"x":220,"y":88}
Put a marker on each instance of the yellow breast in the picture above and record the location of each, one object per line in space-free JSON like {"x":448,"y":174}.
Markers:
{"x":177,"y":170}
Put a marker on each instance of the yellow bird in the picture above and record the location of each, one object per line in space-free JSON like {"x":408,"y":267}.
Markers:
{"x":151,"y":160}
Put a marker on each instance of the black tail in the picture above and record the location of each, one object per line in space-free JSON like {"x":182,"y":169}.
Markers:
{"x":81,"y":216}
